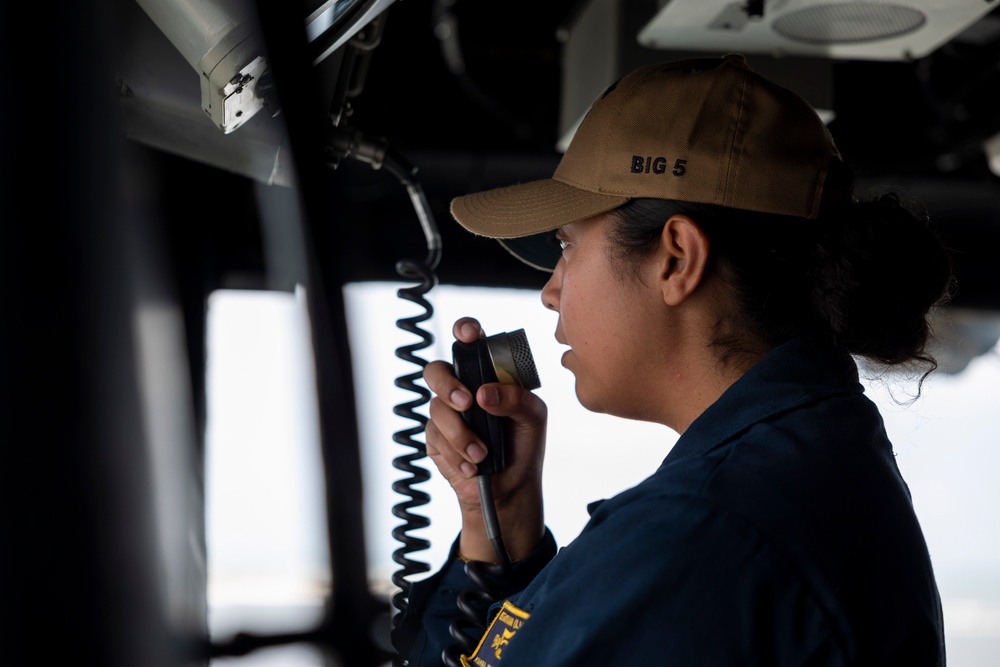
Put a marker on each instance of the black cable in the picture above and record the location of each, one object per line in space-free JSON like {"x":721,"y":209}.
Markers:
{"x":349,"y":143}
{"x":493,"y":522}
{"x":473,"y":603}
{"x":468,"y":628}
{"x":407,"y":437}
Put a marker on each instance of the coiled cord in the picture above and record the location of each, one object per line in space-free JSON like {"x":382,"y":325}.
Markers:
{"x":407,"y":462}
{"x":345,"y":142}
{"x":473,"y":603}
{"x":423,"y":274}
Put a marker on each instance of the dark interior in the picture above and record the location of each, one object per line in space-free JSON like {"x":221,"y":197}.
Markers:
{"x":120,"y":199}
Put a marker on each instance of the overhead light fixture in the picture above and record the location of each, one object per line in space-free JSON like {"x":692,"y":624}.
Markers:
{"x":594,"y":56}
{"x":839,"y":29}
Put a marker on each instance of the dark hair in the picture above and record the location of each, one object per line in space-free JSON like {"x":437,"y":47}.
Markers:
{"x":863,"y":278}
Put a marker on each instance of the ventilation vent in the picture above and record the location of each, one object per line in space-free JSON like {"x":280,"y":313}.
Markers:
{"x":848,"y":23}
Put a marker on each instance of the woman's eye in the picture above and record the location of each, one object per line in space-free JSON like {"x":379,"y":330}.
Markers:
{"x":558,"y":241}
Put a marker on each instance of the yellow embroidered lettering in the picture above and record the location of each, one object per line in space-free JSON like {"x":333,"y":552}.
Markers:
{"x":501,"y":640}
{"x":510,"y":621}
{"x":505,"y":625}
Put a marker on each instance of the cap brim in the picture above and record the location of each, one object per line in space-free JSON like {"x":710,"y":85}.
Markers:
{"x":529,"y":209}
{"x":540,"y":251}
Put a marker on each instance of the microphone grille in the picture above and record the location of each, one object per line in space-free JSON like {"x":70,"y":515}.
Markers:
{"x":523,"y":360}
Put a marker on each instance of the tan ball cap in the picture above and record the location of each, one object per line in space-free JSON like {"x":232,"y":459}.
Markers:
{"x":705,"y":130}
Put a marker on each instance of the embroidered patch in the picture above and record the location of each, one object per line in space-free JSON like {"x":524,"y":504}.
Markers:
{"x":503,"y":628}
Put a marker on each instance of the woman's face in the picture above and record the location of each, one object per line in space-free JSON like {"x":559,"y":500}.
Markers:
{"x":614,"y":326}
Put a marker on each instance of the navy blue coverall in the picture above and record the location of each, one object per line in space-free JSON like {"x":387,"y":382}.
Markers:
{"x":777,"y":531}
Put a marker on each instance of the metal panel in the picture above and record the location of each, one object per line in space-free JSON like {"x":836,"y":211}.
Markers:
{"x":842,"y":29}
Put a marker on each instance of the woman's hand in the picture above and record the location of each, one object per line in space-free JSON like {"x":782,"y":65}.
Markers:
{"x":456,"y":450}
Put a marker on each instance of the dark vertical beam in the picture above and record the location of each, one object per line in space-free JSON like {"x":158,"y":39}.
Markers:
{"x":81,"y":566}
{"x":353,"y":615}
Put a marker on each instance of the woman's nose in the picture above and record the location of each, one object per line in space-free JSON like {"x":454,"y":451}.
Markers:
{"x":550,"y":293}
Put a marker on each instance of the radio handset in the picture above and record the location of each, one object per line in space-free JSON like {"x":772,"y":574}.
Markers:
{"x":504,"y":358}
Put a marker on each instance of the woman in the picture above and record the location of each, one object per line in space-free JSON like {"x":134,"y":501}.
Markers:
{"x":712,"y":272}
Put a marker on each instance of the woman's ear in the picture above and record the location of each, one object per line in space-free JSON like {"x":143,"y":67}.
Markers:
{"x":681,"y":260}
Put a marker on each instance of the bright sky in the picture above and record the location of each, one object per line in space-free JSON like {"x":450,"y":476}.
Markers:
{"x":265,"y":520}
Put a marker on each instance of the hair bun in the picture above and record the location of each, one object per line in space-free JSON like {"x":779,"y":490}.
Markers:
{"x":879,"y":271}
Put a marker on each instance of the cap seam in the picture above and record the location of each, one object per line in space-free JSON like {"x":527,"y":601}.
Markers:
{"x":601,"y":165}
{"x":737,"y":137}
{"x":590,"y":188}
